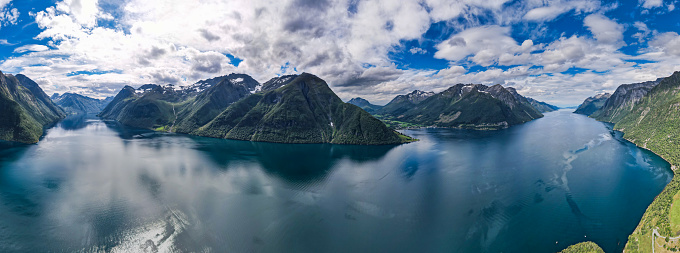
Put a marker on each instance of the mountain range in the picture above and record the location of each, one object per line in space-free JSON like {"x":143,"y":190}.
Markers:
{"x":364,"y":104}
{"x":648,"y":114}
{"x":622,"y":101}
{"x":289,"y":109}
{"x":293,"y":109}
{"x":25,"y":109}
{"x":73,"y":103}
{"x":592,"y":104}
{"x":472,"y":106}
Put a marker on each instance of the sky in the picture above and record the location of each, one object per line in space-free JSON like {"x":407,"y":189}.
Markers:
{"x":556,"y":51}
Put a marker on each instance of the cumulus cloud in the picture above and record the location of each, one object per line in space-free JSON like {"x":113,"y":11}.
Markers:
{"x":668,"y":43}
{"x":8,"y":15}
{"x":486,"y":45}
{"x":348,"y":43}
{"x":84,"y":12}
{"x":209,"y":35}
{"x":210,"y":62}
{"x":604,"y":29}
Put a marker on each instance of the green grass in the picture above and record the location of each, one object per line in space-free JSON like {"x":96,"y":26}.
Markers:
{"x":675,"y":214}
{"x":395,"y":124}
{"x":584,"y":247}
{"x":405,"y":138}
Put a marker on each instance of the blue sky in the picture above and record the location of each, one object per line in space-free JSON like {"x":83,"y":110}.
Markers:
{"x":556,"y":51}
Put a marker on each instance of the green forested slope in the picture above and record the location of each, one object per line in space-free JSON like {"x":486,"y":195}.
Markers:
{"x":653,"y":123}
{"x":24,"y":110}
{"x":468,"y":106}
{"x":304,"y":110}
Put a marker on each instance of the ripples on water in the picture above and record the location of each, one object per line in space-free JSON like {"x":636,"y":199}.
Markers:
{"x":93,"y":185}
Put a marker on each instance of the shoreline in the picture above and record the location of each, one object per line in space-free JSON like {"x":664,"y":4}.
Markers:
{"x":650,"y":217}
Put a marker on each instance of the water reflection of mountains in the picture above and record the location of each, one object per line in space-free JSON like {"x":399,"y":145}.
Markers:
{"x":294,"y":162}
{"x":76,"y":121}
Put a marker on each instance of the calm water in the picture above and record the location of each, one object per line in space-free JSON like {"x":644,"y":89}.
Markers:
{"x":91,"y":185}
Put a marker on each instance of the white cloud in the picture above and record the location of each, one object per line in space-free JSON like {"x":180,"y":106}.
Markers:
{"x":417,"y":50}
{"x":487,"y":45}
{"x":604,"y":29}
{"x":8,"y":16}
{"x":553,"y":9}
{"x":545,"y":13}
{"x":668,"y":43}
{"x":84,"y":12}
{"x":31,"y":48}
{"x":651,"y":3}
{"x":180,"y":42}
{"x":643,"y":31}
{"x":4,"y":3}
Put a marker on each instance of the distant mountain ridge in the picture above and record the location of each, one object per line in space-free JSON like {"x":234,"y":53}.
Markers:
{"x":364,"y":104}
{"x":291,"y":109}
{"x":403,"y":103}
{"x":623,"y":100}
{"x":592,"y":104}
{"x":73,"y":103}
{"x":25,"y":109}
{"x":474,"y":106}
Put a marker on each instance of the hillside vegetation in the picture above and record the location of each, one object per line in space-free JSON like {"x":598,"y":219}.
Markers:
{"x":471,"y":106}
{"x":288,"y":109}
{"x":24,"y":109}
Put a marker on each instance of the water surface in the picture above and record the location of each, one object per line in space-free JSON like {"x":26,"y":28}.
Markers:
{"x":92,"y":185}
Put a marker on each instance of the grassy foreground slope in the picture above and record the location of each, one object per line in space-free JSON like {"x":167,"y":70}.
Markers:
{"x":654,"y":124}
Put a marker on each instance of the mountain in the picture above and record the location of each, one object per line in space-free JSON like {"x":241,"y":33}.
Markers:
{"x":73,"y":103}
{"x":473,"y":106}
{"x":592,"y":104}
{"x":25,"y":109}
{"x":302,"y":110}
{"x":403,"y":103}
{"x":623,"y":100}
{"x":364,"y":104}
{"x":211,"y":102}
{"x":149,"y":106}
{"x":652,"y":123}
{"x":542,"y":107}
{"x":290,"y":109}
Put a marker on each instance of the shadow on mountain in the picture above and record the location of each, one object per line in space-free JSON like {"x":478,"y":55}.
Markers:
{"x":291,"y":162}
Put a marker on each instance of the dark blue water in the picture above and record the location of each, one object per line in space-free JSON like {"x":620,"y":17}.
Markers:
{"x":91,"y":185}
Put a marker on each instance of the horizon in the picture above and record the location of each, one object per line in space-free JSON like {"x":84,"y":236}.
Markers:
{"x":553,"y":51}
